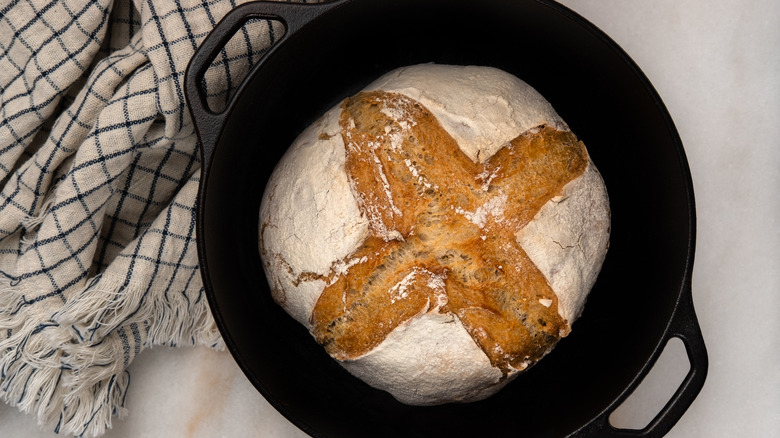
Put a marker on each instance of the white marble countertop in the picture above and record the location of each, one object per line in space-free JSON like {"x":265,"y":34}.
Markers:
{"x":716,"y":65}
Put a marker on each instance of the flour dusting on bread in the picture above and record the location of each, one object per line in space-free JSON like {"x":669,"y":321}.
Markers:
{"x":438,"y":232}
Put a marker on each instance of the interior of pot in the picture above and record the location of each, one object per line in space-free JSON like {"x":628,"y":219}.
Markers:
{"x":603,"y":98}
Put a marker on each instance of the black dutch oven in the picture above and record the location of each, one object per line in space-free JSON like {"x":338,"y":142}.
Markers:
{"x":329,"y":51}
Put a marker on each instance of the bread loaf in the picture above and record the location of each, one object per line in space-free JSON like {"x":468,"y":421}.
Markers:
{"x":437,"y":233}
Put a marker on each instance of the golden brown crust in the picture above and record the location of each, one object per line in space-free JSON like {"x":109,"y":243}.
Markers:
{"x":443,"y":233}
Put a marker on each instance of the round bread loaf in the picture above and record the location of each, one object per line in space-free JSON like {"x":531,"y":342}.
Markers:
{"x":437,"y":233}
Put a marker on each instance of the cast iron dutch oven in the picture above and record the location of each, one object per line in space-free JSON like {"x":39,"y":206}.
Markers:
{"x":329,"y":51}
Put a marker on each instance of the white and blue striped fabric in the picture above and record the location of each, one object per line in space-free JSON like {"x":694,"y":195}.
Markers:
{"x":99,"y":167}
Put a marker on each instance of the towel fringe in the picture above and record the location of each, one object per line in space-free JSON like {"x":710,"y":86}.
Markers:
{"x":179,"y":322}
{"x":36,"y":374}
{"x":30,"y":369}
{"x":108,"y":303}
{"x":101,"y":307}
{"x":92,"y":364}
{"x":33,"y":390}
{"x":89,"y":411}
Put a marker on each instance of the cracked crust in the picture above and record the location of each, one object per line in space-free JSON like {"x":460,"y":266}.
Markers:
{"x":440,"y":238}
{"x":425,"y":228}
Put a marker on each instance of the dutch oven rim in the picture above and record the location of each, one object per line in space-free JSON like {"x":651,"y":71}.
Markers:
{"x":682,"y":323}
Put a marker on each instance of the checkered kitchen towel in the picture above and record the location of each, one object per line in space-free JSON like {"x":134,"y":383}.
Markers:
{"x":99,"y":168}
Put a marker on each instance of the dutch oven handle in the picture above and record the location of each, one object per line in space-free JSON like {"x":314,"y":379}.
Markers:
{"x":293,"y":16}
{"x":685,"y":326}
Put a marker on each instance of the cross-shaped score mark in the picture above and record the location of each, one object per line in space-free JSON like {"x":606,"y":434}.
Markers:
{"x":443,"y":233}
